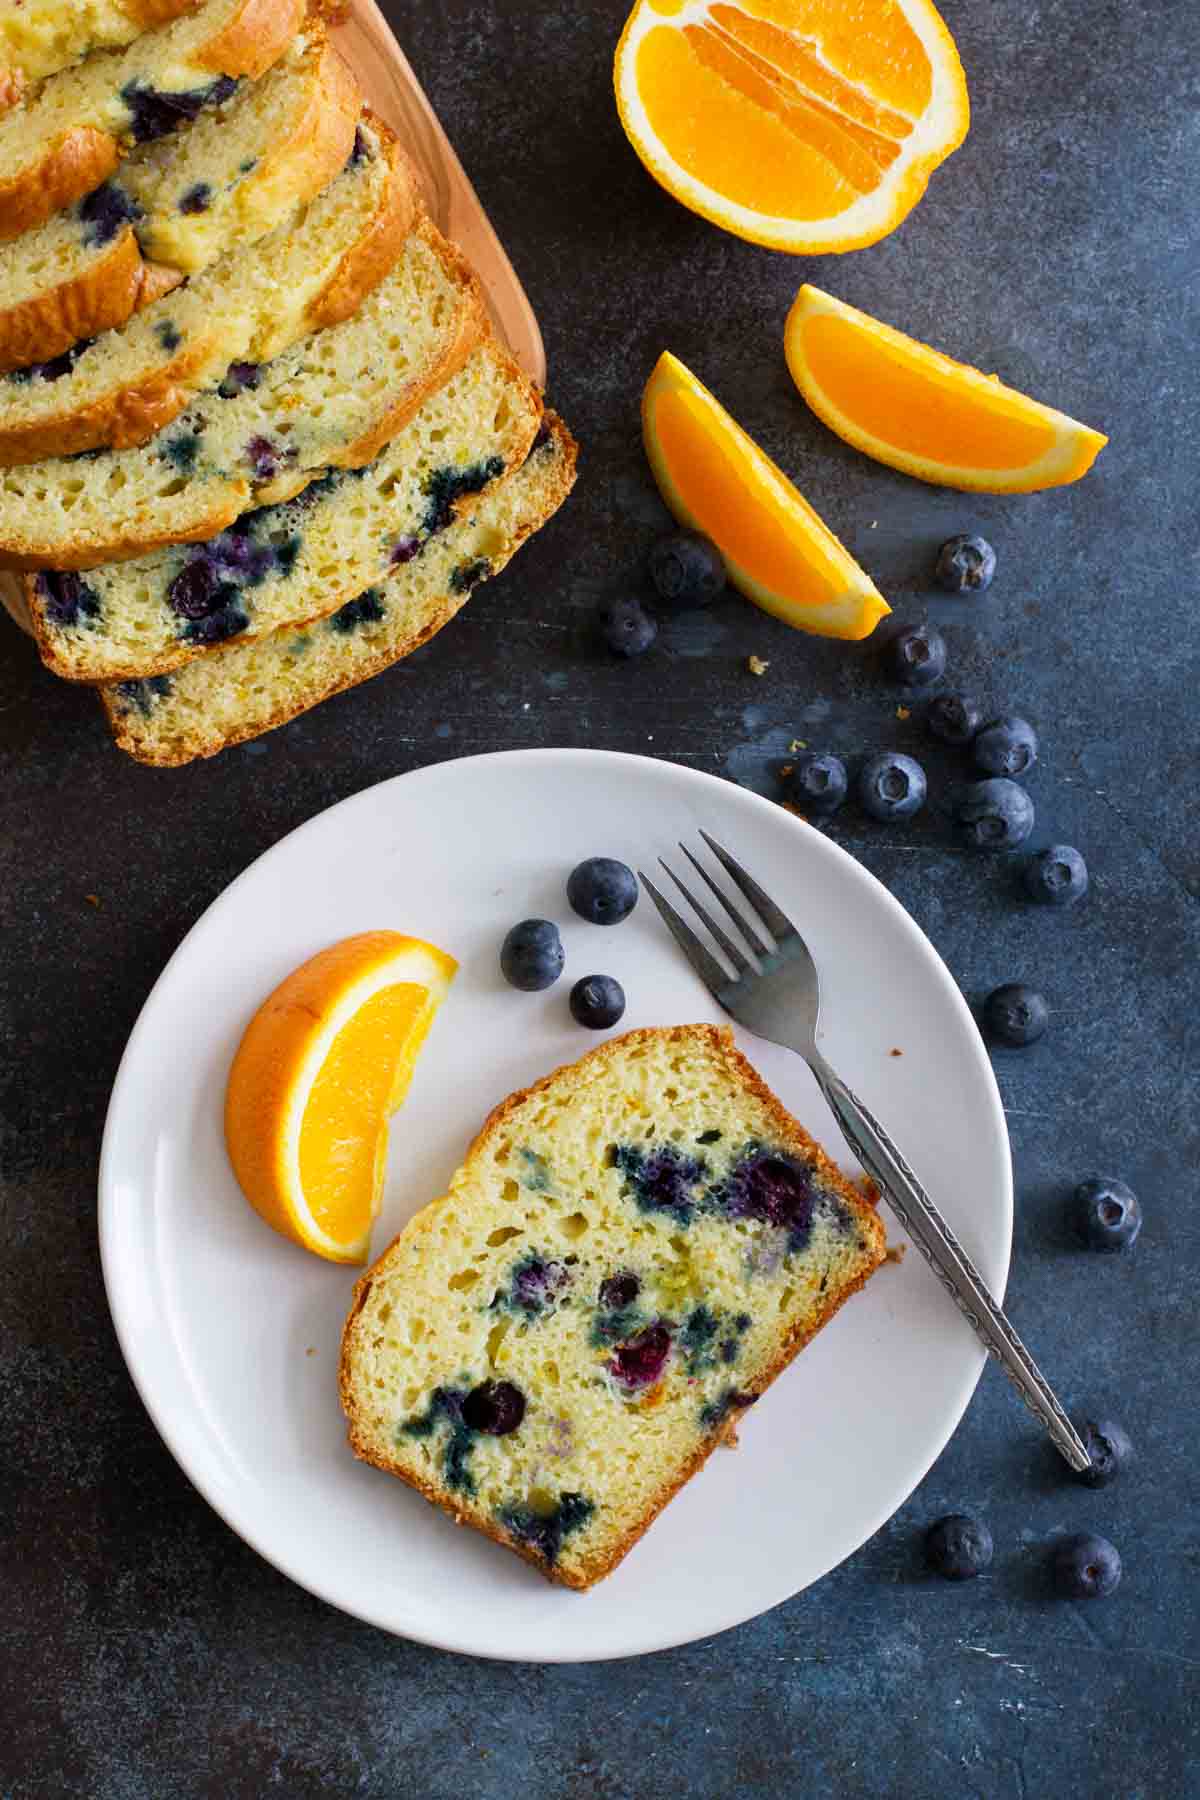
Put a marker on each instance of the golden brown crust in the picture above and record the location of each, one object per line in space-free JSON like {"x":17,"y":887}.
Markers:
{"x":98,"y":299}
{"x":254,"y":39}
{"x":374,"y":255}
{"x":227,"y":504}
{"x":72,"y":165}
{"x":176,"y":755}
{"x":790,"y":1132}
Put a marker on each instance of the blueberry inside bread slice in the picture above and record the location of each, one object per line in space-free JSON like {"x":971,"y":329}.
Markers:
{"x":283,"y":564}
{"x":176,"y":206}
{"x":262,"y":434}
{"x":240,"y":690}
{"x":631,"y":1253}
{"x":67,"y":136}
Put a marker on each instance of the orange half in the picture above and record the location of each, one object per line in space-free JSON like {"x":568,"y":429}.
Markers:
{"x":777,"y":550}
{"x":923,"y":413}
{"x":325,"y":1061}
{"x":806,"y":125}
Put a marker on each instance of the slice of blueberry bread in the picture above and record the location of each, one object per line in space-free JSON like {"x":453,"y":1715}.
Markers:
{"x":68,"y":135}
{"x":263,"y":434}
{"x":631,"y":1253}
{"x":313,"y":270}
{"x":287,"y":564}
{"x":242,"y":690}
{"x":42,"y":37}
{"x":178,"y":205}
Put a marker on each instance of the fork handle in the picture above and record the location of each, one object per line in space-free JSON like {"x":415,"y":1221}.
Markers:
{"x":947,"y":1258}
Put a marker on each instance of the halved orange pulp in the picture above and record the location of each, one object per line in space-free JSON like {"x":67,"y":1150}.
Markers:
{"x":777,"y":549}
{"x":324,"y":1062}
{"x":806,"y":125}
{"x":921,"y":412}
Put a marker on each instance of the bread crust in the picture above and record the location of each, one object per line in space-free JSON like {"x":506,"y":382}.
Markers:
{"x":790,"y":1132}
{"x":81,"y":157}
{"x":98,"y":299}
{"x":371,"y":258}
{"x":145,"y":14}
{"x":177,"y":754}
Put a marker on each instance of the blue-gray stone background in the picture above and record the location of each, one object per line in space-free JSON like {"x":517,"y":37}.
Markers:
{"x":144,"y":1651}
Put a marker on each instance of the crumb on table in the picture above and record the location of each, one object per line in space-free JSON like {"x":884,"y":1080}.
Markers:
{"x":895,"y":1253}
{"x":904,"y":712}
{"x":895,"y":1052}
{"x":756,"y":665}
{"x":92,"y":899}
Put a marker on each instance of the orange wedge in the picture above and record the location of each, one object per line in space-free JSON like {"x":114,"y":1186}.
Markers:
{"x":917,"y":410}
{"x":777,"y":551}
{"x":324,"y":1062}
{"x":805,"y":125}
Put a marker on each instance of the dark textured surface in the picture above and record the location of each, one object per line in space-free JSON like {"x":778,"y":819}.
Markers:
{"x":143,"y":1650}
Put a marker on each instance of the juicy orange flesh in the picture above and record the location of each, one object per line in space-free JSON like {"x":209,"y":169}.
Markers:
{"x":786,"y":108}
{"x":358,"y":1085}
{"x":715,"y":479}
{"x":903,"y":397}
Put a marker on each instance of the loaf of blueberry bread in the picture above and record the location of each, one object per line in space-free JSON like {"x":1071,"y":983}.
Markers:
{"x":179,"y":204}
{"x":312,"y":271}
{"x":42,"y":37}
{"x":241,"y":690}
{"x":68,"y":134}
{"x":287,"y":564}
{"x":263,"y":433}
{"x":631,"y":1253}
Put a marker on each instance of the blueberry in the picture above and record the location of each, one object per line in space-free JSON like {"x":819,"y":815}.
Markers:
{"x":532,"y":956}
{"x":891,"y":786}
{"x":965,"y":565}
{"x":818,"y":782}
{"x":266,"y":459}
{"x":958,"y":1547}
{"x":447,"y":486}
{"x":994,"y":815}
{"x":104,"y":211}
{"x":238,"y":377}
{"x":494,"y":1407}
{"x":917,"y":655}
{"x":1109,"y":1448}
{"x":197,"y":199}
{"x":1057,"y":876}
{"x":1015,"y":1015}
{"x":639,"y":1363}
{"x":1108,"y":1215}
{"x":597,"y":1001}
{"x":68,"y":599}
{"x":153,"y":113}
{"x":602,"y":890}
{"x":628,"y":628}
{"x":1086,"y":1568}
{"x":687,"y":569}
{"x":617,"y":1291}
{"x":1006,"y":747}
{"x":954,"y":718}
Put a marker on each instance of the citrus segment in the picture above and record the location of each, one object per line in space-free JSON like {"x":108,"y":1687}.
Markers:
{"x":923,"y":413}
{"x":806,"y":125}
{"x":777,"y":550}
{"x":325,"y":1060}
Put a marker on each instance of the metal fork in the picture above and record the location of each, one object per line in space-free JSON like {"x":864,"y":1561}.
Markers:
{"x":775,"y":992}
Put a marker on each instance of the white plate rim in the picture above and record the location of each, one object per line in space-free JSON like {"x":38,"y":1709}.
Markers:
{"x":113,"y":1278}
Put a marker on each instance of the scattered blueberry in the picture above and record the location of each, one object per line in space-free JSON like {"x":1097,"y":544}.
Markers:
{"x":891,"y":786}
{"x":775,"y":1188}
{"x":965,"y":565}
{"x":639,"y":1363}
{"x":954,"y":718}
{"x":446,"y":487}
{"x":68,"y":599}
{"x":818,"y":782}
{"x":104,"y":211}
{"x":602,"y":890}
{"x":687,"y":569}
{"x":1086,"y":1568}
{"x":1109,"y":1448}
{"x":1108,"y":1215}
{"x":617,"y":1291}
{"x":495,"y":1407}
{"x":1006,"y":747}
{"x":153,"y":113}
{"x":537,"y":1282}
{"x":994,"y":815}
{"x":1057,"y":876}
{"x":238,"y":377}
{"x":917,"y":655}
{"x":958,"y":1547}
{"x":532,"y":956}
{"x":628,"y":628}
{"x":1015,"y":1015}
{"x":597,"y":1001}
{"x":661,"y":1180}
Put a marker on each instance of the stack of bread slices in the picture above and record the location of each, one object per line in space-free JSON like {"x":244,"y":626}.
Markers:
{"x":257,"y":438}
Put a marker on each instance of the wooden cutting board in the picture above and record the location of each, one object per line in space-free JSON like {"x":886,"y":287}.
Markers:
{"x":392,"y":90}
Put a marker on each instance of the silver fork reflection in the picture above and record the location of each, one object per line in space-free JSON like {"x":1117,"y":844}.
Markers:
{"x":771,"y":986}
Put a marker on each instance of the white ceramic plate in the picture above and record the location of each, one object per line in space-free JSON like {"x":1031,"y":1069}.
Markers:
{"x":231,"y":1333}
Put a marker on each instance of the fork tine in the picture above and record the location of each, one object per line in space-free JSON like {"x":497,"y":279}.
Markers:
{"x":737,"y":957}
{"x":744,"y":925}
{"x":705,"y":964}
{"x":772,"y":916}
